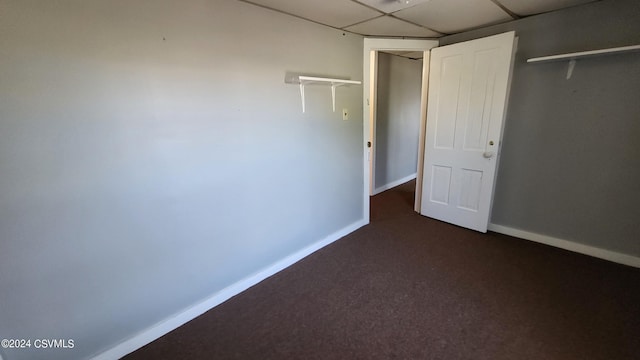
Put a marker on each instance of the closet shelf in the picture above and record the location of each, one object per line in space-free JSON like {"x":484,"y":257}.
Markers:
{"x":576,"y":55}
{"x":581,"y":54}
{"x":334,"y":83}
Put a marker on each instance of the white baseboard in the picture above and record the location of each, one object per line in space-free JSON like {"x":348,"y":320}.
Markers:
{"x":569,"y":245}
{"x":394,"y":184}
{"x":173,"y":322}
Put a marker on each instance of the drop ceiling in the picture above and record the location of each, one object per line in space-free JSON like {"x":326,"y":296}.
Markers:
{"x":412,"y":18}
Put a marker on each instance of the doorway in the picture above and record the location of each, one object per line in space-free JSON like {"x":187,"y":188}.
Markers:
{"x":370,"y":58}
{"x":396,"y":126}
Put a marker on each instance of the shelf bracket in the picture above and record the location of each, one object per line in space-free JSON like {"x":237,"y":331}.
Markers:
{"x":333,"y":96}
{"x":572,"y":65}
{"x":302,"y":95}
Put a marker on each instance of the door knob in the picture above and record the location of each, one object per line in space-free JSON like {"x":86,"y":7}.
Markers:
{"x":488,"y":154}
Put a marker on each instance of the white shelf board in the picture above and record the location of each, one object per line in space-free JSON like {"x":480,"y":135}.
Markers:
{"x":313,"y":79}
{"x":576,"y":55}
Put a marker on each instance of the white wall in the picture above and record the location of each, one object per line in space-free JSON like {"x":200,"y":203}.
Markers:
{"x":398,"y":119}
{"x":151,"y":155}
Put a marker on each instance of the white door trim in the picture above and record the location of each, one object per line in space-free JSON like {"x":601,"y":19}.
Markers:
{"x":423,"y":130}
{"x":368,"y":116}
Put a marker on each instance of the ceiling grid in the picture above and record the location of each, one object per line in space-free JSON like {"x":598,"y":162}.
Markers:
{"x":412,"y":18}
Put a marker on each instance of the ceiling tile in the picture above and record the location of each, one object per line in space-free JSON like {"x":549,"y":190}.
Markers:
{"x":451,"y":16}
{"x":388,"y":26}
{"x":336,"y":13}
{"x":389,"y":6}
{"x":528,"y":7}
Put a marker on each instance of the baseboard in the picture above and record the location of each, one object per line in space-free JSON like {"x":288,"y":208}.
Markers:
{"x":569,"y":245}
{"x":173,"y":322}
{"x":394,"y":184}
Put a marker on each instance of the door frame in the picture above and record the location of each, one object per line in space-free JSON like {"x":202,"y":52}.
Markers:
{"x":371,"y":47}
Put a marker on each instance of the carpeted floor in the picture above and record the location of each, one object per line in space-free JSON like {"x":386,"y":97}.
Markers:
{"x":409,"y":287}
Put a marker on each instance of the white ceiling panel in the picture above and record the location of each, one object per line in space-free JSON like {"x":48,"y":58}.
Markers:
{"x":452,"y":16}
{"x":529,"y":7}
{"x":389,"y":6}
{"x":388,"y":26}
{"x":336,"y":13}
{"x":434,"y":18}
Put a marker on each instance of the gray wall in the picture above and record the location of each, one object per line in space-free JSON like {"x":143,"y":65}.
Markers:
{"x":570,"y":163}
{"x":397,"y":119}
{"x":151,"y":155}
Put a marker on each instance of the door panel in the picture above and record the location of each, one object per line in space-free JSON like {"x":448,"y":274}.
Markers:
{"x":467,"y":98}
{"x":470,"y":187}
{"x":441,"y":184}
{"x":447,"y":102}
{"x":481,"y":96}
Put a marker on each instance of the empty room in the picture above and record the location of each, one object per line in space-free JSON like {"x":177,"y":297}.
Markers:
{"x":306,"y":179}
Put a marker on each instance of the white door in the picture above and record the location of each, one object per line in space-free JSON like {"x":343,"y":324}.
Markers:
{"x":468,"y":88}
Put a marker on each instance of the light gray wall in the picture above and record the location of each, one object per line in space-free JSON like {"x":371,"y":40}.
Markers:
{"x":151,"y":155}
{"x":570,"y":163}
{"x":397,"y":119}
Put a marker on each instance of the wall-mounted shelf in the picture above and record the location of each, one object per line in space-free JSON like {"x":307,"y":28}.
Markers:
{"x":576,"y":55}
{"x":580,"y":54}
{"x":308,"y":80}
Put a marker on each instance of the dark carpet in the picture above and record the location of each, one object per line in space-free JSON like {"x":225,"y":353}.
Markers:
{"x":409,"y":287}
